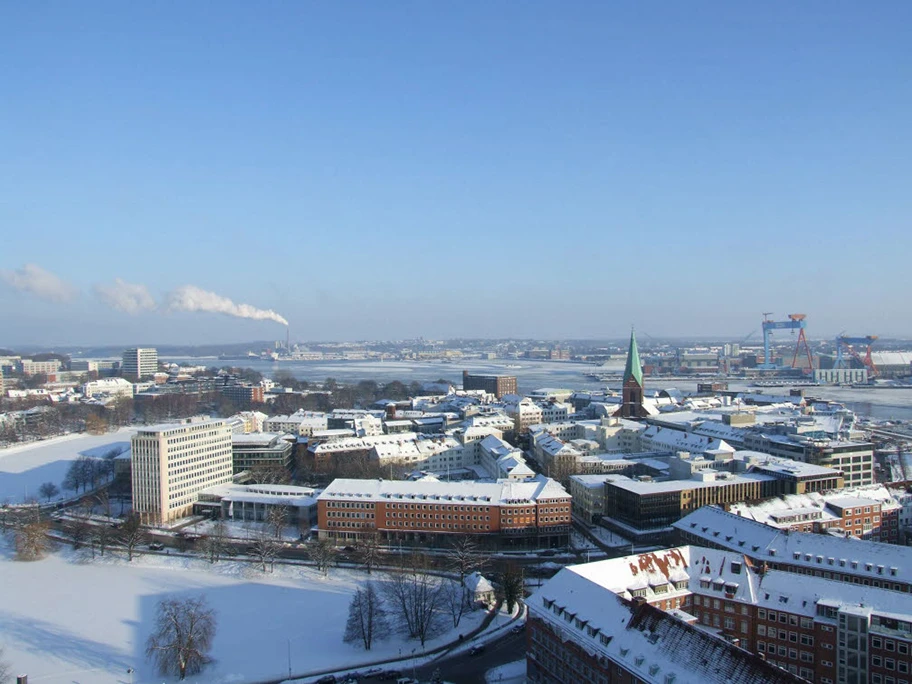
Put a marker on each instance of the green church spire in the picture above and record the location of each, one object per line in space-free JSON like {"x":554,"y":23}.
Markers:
{"x":633,"y":369}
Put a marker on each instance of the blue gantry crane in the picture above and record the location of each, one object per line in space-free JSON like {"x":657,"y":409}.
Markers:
{"x":845,"y":347}
{"x":795,"y":322}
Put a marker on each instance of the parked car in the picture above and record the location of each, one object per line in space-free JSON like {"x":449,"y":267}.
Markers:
{"x":156,"y":546}
{"x":328,"y":679}
{"x":390,"y":674}
{"x":476,"y":650}
{"x":518,"y":628}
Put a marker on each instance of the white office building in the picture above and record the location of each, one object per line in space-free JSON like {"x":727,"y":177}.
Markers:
{"x":172,"y":463}
{"x":140,"y":362}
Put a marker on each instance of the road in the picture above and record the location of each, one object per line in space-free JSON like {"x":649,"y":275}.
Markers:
{"x":468,"y":669}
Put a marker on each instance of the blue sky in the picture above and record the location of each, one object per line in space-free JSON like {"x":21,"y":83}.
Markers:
{"x":389,"y":170}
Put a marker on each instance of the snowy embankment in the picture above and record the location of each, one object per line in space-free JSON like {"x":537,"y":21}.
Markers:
{"x":69,"y":619}
{"x":25,"y":467}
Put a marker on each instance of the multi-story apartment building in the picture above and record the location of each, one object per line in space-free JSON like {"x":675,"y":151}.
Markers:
{"x":532,"y":513}
{"x":866,"y":512}
{"x":29,"y":367}
{"x":817,"y":628}
{"x":854,"y":459}
{"x":581,"y":631}
{"x":854,"y":561}
{"x":139,"y":362}
{"x":171,"y":463}
{"x":258,"y":450}
{"x":301,"y":423}
{"x":245,"y":396}
{"x":498,"y":385}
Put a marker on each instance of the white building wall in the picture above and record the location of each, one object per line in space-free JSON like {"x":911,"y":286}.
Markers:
{"x":172,"y":463}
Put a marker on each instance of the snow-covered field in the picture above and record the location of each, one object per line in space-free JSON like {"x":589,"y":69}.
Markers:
{"x":25,"y":467}
{"x":70,"y":619}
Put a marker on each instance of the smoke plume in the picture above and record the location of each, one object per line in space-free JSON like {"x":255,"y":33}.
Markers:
{"x":192,"y":298}
{"x":36,"y":281}
{"x":130,"y":298}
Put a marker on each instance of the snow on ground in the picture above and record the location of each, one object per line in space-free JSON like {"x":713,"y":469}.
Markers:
{"x":608,"y":537}
{"x":69,"y":619}
{"x":511,"y":673}
{"x":25,"y":467}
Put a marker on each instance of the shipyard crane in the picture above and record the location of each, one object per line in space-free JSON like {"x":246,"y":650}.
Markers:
{"x":795,"y":322}
{"x":845,"y":347}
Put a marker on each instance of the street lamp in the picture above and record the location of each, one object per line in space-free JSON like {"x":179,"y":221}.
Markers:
{"x":130,"y":672}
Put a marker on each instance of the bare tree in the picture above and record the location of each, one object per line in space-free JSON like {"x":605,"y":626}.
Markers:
{"x":465,"y":557}
{"x":455,"y":600}
{"x":215,"y":542}
{"x":183,"y":634}
{"x":270,"y":473}
{"x":80,"y":530}
{"x":264,"y":548}
{"x":277,"y":519}
{"x":513,"y":585}
{"x":31,"y":540}
{"x":131,"y":534}
{"x":416,"y":597}
{"x":323,"y":553}
{"x":367,"y":619}
{"x":49,"y":490}
{"x":103,"y":498}
{"x":102,"y":535}
{"x":368,"y":549}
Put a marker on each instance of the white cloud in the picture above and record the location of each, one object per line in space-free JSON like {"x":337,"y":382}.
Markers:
{"x":130,"y":298}
{"x":36,"y":281}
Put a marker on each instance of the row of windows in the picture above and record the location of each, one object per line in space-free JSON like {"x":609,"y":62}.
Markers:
{"x":890,"y":645}
{"x":783,"y":652}
{"x":890,"y":664}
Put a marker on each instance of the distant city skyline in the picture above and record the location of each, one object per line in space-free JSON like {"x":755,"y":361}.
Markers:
{"x":201,"y":174}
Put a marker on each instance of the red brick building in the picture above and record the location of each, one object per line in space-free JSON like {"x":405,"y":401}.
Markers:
{"x":531,"y":513}
{"x":815,"y":628}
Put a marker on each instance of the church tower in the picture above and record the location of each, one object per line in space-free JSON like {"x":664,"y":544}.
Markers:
{"x":632,"y":402}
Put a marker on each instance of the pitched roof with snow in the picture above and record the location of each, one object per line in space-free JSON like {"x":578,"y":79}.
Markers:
{"x":803,"y":549}
{"x":644,"y":640}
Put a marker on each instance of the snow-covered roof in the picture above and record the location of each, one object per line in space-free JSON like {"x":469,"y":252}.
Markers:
{"x":803,"y":549}
{"x":477,"y":584}
{"x":707,"y":479}
{"x":253,"y":439}
{"x":287,"y":495}
{"x":645,"y":640}
{"x":467,"y":491}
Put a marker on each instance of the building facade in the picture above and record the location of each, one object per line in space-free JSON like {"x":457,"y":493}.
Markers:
{"x":816,"y":628}
{"x":259,"y":450}
{"x":580,"y":631}
{"x":498,"y":385}
{"x":139,"y":362}
{"x":532,"y":513}
{"x":172,"y":463}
